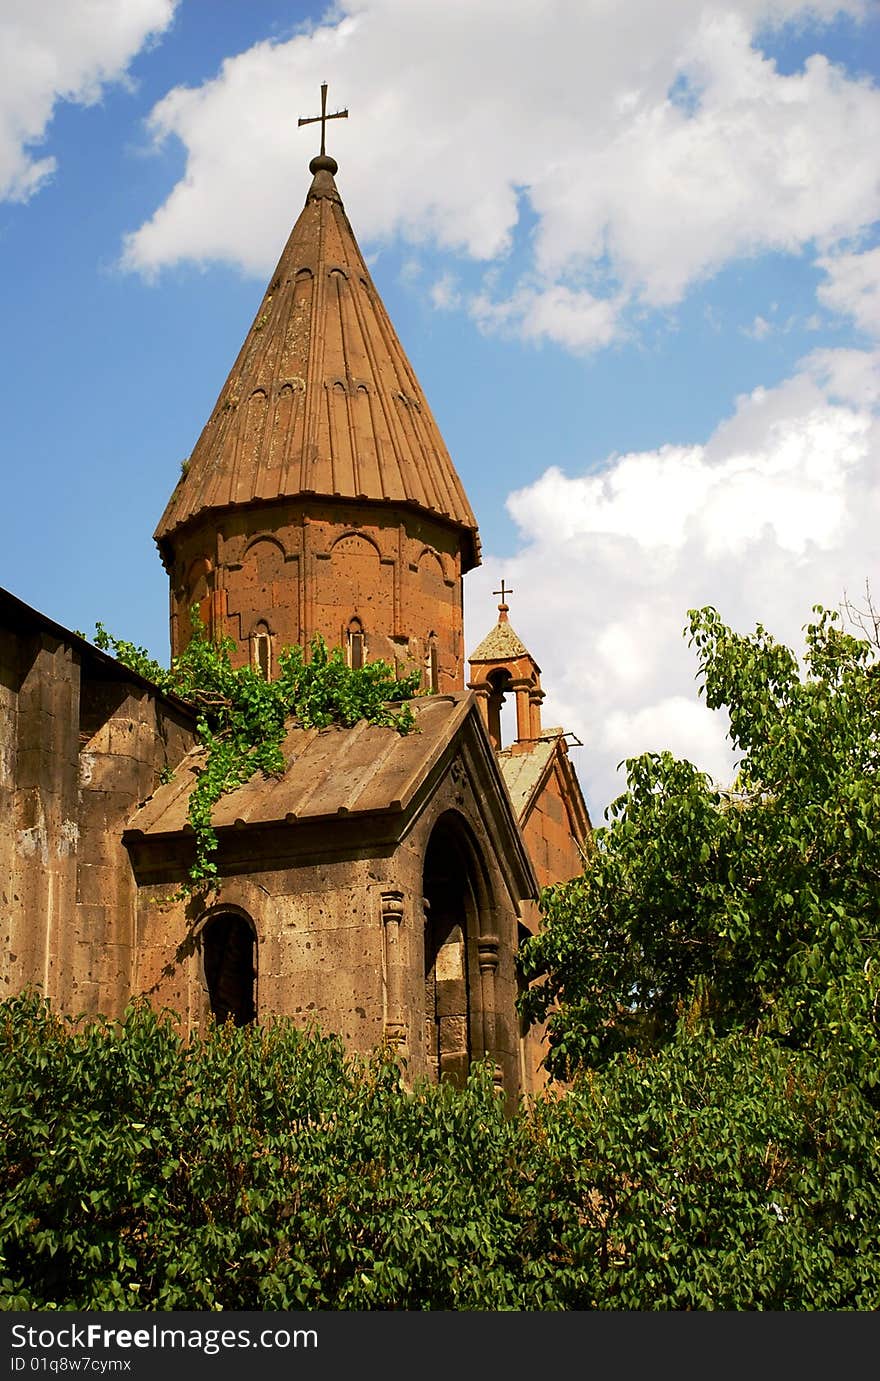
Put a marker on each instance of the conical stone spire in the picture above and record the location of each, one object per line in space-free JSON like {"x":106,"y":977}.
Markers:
{"x":320,"y":497}
{"x":322,"y":399}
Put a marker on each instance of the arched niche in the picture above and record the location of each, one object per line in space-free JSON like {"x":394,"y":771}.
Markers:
{"x":197,"y":587}
{"x":197,"y":579}
{"x":254,"y":425}
{"x":355,"y":582}
{"x":297,"y":337}
{"x":263,"y":589}
{"x":264,"y":559}
{"x":430,"y":568}
{"x":355,"y":546}
{"x":228,"y":949}
{"x":284,"y":419}
{"x":457,"y":910}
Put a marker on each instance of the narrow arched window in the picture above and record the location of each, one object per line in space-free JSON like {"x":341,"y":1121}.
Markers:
{"x":261,"y":651}
{"x":432,"y":666}
{"x":453,"y":992}
{"x":228,"y":952}
{"x":355,"y":645}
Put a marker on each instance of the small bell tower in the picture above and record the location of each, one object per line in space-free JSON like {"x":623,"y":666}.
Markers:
{"x":502,"y":665}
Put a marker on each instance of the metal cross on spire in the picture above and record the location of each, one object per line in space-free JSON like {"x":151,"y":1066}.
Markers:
{"x":323,"y":117}
{"x":503,"y":592}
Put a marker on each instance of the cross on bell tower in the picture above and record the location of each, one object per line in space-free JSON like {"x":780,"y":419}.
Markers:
{"x":503,"y":606}
{"x":323,"y":117}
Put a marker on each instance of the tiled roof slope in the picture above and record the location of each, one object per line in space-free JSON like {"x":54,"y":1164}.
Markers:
{"x":522,"y":772}
{"x":330,"y":772}
{"x":500,"y":644}
{"x":322,"y":399}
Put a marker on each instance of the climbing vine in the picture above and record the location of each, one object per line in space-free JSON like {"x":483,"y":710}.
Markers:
{"x":241,"y":717}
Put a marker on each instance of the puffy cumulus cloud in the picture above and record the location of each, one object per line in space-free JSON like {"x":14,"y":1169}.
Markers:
{"x":642,"y":196}
{"x":572,"y":318}
{"x":681,"y":725}
{"x":650,"y":144}
{"x":778,"y":510}
{"x":56,"y":50}
{"x":853,"y":287}
{"x":848,"y":376}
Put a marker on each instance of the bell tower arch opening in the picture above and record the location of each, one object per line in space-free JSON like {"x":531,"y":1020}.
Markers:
{"x":228,"y":948}
{"x":499,"y":686}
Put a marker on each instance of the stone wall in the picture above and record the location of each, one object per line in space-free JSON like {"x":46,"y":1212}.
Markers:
{"x":39,"y":802}
{"x":554,"y":827}
{"x":551,"y":834}
{"x":338,"y":911}
{"x":129,"y":736}
{"x":81,"y":744}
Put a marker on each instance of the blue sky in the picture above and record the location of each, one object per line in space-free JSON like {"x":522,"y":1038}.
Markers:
{"x":631,"y":251}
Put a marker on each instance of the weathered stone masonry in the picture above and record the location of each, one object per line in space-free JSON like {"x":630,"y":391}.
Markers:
{"x":82,"y":743}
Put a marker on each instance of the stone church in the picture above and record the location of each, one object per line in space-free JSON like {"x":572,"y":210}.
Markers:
{"x":380,"y":886}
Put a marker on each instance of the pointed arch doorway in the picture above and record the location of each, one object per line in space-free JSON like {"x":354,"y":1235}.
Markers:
{"x":456,"y":909}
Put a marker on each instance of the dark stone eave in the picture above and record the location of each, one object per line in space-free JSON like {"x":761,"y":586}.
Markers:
{"x":14,"y":613}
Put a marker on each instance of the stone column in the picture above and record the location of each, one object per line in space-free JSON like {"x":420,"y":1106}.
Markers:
{"x":481,"y":690}
{"x":535,"y":698}
{"x":487,"y":951}
{"x":395,"y":1021}
{"x":523,"y":709}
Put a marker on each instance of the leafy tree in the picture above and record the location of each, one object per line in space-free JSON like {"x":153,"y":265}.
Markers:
{"x":720,"y":1172}
{"x":711,"y":990}
{"x":758,"y":907}
{"x":257,"y":1168}
{"x":241,"y":716}
{"x":262,"y":1168}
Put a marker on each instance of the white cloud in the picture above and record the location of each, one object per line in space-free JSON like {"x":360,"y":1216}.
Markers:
{"x":53,"y":50}
{"x":847,"y":376}
{"x":652,"y":144}
{"x":444,"y":292}
{"x":575,"y":319}
{"x":671,"y":194}
{"x":759,"y":329}
{"x":778,"y":510}
{"x":853,"y":287}
{"x":681,"y":725}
